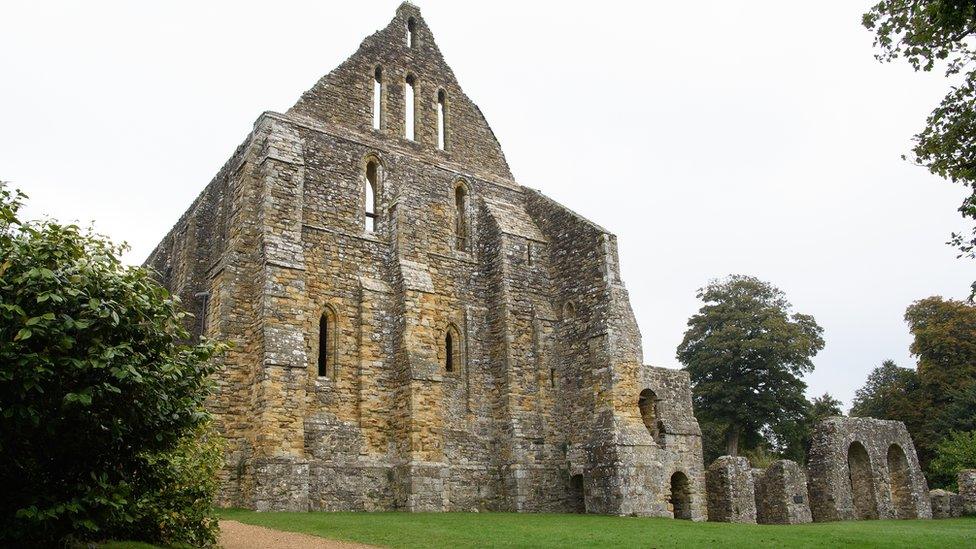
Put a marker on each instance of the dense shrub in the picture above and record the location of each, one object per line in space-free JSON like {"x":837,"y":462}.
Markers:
{"x":102,"y":430}
{"x":955,"y":453}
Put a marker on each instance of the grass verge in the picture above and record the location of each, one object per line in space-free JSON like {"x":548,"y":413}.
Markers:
{"x":415,"y":530}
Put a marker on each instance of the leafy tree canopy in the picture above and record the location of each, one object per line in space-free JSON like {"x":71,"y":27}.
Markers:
{"x":100,"y":398}
{"x":930,"y":33}
{"x":745,"y":351}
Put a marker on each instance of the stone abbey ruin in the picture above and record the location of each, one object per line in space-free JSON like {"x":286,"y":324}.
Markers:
{"x":414,"y":330}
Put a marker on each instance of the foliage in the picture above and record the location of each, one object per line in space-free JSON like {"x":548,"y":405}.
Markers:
{"x":98,"y":392}
{"x":940,"y":395}
{"x":175,"y":504}
{"x":825,"y":406}
{"x":955,"y":453}
{"x":927,"y":33}
{"x":745,"y":353}
{"x":459,"y":530}
{"x":890,"y":392}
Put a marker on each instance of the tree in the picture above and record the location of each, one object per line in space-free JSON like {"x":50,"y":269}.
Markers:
{"x":101,"y":401}
{"x":745,"y":353}
{"x":944,"y":341}
{"x":955,"y":453}
{"x":927,"y":33}
{"x":825,"y":406}
{"x":890,"y":392}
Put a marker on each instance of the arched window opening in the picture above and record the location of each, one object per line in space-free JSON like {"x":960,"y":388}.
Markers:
{"x":461,"y":217}
{"x":377,"y":98}
{"x":327,"y":345}
{"x":647,"y":404}
{"x":409,"y":131}
{"x":862,"y":482}
{"x":680,"y":501}
{"x":441,"y":120}
{"x":901,"y":490}
{"x":411,"y":32}
{"x":569,"y":310}
{"x":452,"y":349}
{"x":372,"y":187}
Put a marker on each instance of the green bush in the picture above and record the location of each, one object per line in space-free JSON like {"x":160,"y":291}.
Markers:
{"x":101,"y":399}
{"x":955,"y":453}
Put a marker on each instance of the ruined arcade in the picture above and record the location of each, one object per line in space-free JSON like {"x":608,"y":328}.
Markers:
{"x":412,"y":328}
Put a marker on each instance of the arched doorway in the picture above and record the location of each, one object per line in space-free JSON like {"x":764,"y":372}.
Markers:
{"x":680,"y":501}
{"x":901,"y":491}
{"x":862,"y":482}
{"x":577,"y":495}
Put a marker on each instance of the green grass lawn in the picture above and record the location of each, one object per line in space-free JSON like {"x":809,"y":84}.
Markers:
{"x":562,"y":530}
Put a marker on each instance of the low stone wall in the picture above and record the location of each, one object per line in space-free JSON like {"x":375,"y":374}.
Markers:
{"x":945,"y":504}
{"x":781,"y":494}
{"x":967,"y":491}
{"x":730,"y":489}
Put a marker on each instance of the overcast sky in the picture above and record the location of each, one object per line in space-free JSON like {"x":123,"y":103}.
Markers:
{"x":712,"y":137}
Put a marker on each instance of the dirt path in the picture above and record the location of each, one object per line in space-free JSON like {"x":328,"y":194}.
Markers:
{"x":237,"y":535}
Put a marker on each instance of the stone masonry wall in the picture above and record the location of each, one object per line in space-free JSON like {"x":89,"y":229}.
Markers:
{"x":540,"y":402}
{"x":731,"y":490}
{"x":862,"y":468}
{"x":967,"y":490}
{"x":781,"y":494}
{"x":945,"y":504}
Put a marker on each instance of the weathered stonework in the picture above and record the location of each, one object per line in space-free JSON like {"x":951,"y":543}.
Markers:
{"x":459,"y":342}
{"x":945,"y":504}
{"x":967,"y":490}
{"x":863,"y":468}
{"x":731,"y":490}
{"x":781,"y":494}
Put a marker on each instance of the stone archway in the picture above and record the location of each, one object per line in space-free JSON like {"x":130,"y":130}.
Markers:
{"x":679,"y":502}
{"x":862,"y":482}
{"x":900,"y":484}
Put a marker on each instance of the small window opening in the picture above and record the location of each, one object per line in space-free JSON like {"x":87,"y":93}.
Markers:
{"x":552,"y":377}
{"x":408,"y":127}
{"x":647,"y":404}
{"x":325,"y":345}
{"x":452,"y":349}
{"x":441,"y":122}
{"x":528,"y":253}
{"x":377,"y":98}
{"x":411,"y":31}
{"x":460,"y":217}
{"x":449,"y":348}
{"x":372,"y":168}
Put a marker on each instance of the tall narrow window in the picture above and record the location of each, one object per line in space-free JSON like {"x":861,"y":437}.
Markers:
{"x":411,"y":31}
{"x":461,"y":217}
{"x":441,"y":122}
{"x":326,"y":344}
{"x":377,"y":98}
{"x":453,"y":349}
{"x":408,"y":125}
{"x":372,"y":186}
{"x":449,"y":351}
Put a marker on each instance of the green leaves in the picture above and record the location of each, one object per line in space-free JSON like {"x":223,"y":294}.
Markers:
{"x":745,"y":353}
{"x":927,"y":33}
{"x":95,"y":376}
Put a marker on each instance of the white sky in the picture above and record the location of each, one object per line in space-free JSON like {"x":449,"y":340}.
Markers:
{"x":713,"y":137}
